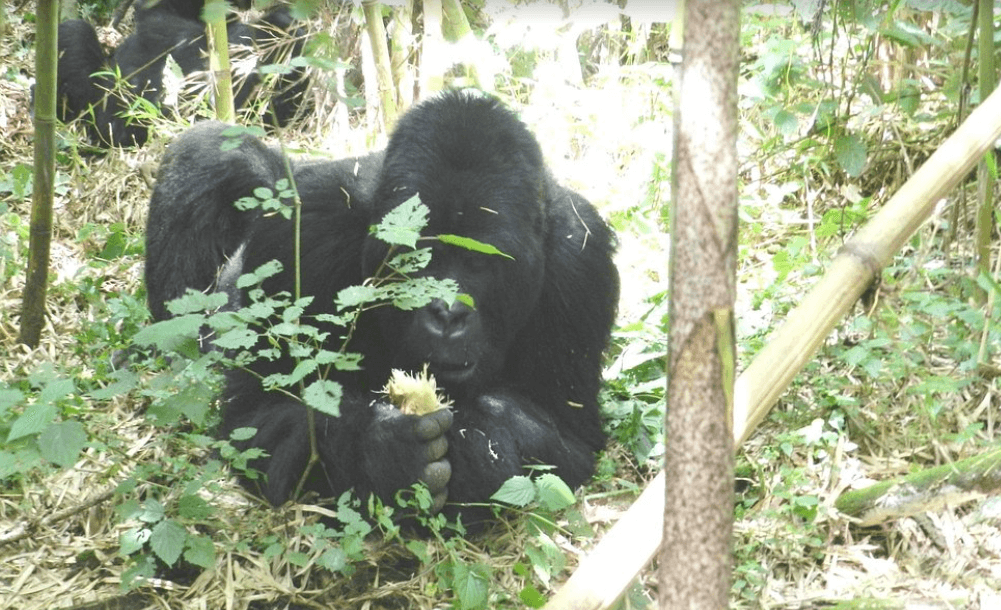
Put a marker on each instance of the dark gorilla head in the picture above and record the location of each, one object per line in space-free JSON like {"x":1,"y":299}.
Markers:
{"x":480,"y":173}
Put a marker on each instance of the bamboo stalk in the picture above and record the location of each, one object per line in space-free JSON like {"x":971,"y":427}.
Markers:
{"x":628,"y":547}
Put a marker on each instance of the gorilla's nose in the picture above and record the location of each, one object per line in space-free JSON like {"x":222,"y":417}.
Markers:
{"x":446,"y":322}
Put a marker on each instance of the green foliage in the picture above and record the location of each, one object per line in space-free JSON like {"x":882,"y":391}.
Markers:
{"x":634,"y":400}
{"x":37,"y":425}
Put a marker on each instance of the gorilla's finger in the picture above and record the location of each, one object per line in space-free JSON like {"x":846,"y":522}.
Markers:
{"x":436,"y":475}
{"x":433,"y":424}
{"x":436,"y":449}
{"x":439,"y":502}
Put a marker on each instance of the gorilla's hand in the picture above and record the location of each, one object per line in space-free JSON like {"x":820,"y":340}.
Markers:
{"x":400,"y":450}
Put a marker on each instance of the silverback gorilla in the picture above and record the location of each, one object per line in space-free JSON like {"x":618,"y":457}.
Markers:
{"x":523,"y":367}
{"x":87,"y":76}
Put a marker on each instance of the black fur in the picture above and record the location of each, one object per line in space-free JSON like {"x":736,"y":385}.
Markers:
{"x":87,"y":86}
{"x":523,"y":367}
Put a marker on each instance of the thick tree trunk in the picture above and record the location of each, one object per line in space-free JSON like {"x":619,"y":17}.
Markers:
{"x":695,"y":559}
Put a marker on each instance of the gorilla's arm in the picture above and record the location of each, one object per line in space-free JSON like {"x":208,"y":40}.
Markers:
{"x":371,"y":447}
{"x":193,"y":226}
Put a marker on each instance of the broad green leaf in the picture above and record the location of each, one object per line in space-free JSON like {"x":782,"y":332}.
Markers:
{"x":55,"y":390}
{"x":62,"y":442}
{"x":167,"y":540}
{"x":324,"y":396}
{"x":554,"y":494}
{"x":402,"y":225}
{"x":353,"y":296}
{"x":470,"y":585}
{"x":517,"y":491}
{"x":334,"y":560}
{"x":8,"y":398}
{"x":190,"y":506}
{"x":200,"y":551}
{"x":133,"y":540}
{"x":169,"y":335}
{"x":851,"y":154}
{"x":35,"y":418}
{"x":124,"y":381}
{"x":242,"y":434}
{"x":236,"y":339}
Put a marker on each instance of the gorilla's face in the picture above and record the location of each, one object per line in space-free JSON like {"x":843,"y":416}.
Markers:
{"x":465,"y":346}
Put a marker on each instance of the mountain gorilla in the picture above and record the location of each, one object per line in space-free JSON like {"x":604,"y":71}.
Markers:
{"x":87,"y":76}
{"x":523,"y":367}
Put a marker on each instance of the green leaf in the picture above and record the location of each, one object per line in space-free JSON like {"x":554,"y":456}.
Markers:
{"x":8,"y":398}
{"x":35,"y":418}
{"x":411,"y":262}
{"x":55,"y":390}
{"x":62,"y":442}
{"x":554,"y":494}
{"x":193,"y":507}
{"x":531,"y":597}
{"x":517,"y":491}
{"x":471,"y":244}
{"x":200,"y":551}
{"x":324,"y":396}
{"x":242,"y":434}
{"x":236,"y":339}
{"x":133,"y":540}
{"x":851,"y":154}
{"x":195,"y":302}
{"x":124,"y":381}
{"x":470,"y":585}
{"x":786,"y":122}
{"x":353,"y":296}
{"x":402,"y":225}
{"x":334,"y":560}
{"x":167,"y":540}
{"x":169,"y":335}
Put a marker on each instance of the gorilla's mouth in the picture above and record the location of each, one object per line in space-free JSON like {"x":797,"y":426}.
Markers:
{"x":452,"y":372}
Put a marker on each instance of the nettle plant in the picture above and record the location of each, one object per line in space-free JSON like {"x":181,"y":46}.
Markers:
{"x":204,"y":336}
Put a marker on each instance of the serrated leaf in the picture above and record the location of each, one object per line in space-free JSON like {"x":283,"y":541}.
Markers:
{"x":9,"y":397}
{"x":133,"y":540}
{"x":167,"y":541}
{"x":169,"y":335}
{"x":469,"y":584}
{"x":124,"y":381}
{"x":851,"y":154}
{"x":200,"y":551}
{"x":152,"y":511}
{"x":402,"y":225}
{"x":55,"y":390}
{"x":554,"y":494}
{"x":471,"y":244}
{"x":36,"y":417}
{"x":236,"y":339}
{"x":62,"y":442}
{"x":334,"y":560}
{"x":194,"y":302}
{"x":353,"y":296}
{"x":193,"y":507}
{"x":324,"y":396}
{"x":517,"y":491}
{"x":411,"y":262}
{"x":786,"y":123}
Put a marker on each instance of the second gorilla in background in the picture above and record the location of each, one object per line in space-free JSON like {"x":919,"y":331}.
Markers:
{"x":523,"y":367}
{"x":87,"y":77}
